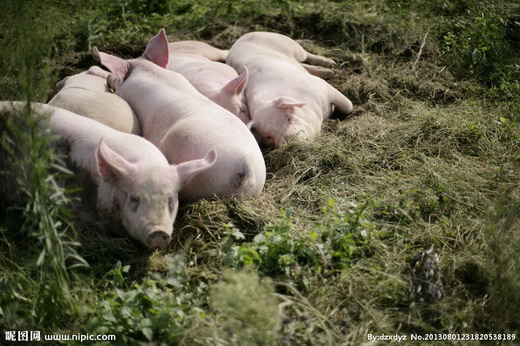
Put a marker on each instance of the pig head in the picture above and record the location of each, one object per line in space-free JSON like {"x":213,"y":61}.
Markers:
{"x":143,"y":197}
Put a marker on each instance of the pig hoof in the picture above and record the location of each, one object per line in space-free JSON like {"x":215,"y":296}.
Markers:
{"x":158,"y":240}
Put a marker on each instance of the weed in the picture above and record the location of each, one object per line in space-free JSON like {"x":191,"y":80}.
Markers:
{"x":325,"y":249}
{"x":479,"y":48}
{"x":38,"y":170}
{"x":503,"y":245}
{"x":158,"y":308}
{"x":243,"y":310}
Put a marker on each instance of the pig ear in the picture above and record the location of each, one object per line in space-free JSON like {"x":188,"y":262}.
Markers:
{"x":157,"y":50}
{"x":189,"y":169}
{"x":111,"y":166}
{"x":116,"y":65}
{"x":286,"y":102}
{"x":114,"y":81}
{"x":237,"y":85}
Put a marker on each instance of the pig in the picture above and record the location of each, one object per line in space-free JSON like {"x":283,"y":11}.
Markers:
{"x":199,"y":63}
{"x":87,"y":94}
{"x":183,"y":123}
{"x":285,"y":97}
{"x":136,"y":186}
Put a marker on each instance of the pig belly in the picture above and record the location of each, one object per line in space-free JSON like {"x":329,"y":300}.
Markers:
{"x":238,"y":171}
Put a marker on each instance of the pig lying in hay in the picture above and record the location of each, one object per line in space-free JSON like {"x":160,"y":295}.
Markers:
{"x":136,"y":186}
{"x":285,"y":96}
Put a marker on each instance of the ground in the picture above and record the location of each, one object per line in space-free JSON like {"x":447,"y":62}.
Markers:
{"x":402,"y":218}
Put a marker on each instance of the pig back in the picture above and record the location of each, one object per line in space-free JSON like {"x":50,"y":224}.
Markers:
{"x":265,"y":45}
{"x":106,"y":108}
{"x":198,"y":48}
{"x":82,"y":136}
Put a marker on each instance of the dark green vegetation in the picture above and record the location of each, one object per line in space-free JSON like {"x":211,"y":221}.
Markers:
{"x":331,"y":251}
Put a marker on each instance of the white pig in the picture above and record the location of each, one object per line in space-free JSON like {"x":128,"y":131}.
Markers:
{"x":284,"y":100}
{"x":87,"y":94}
{"x":183,"y":123}
{"x":199,"y":63}
{"x":136,"y":186}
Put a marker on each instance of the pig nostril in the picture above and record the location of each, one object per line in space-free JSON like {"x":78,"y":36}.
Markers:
{"x":158,"y":240}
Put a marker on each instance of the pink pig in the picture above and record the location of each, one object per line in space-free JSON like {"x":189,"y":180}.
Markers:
{"x":285,"y":97}
{"x":87,"y":94}
{"x":136,"y":186}
{"x":199,"y":63}
{"x":184,"y":124}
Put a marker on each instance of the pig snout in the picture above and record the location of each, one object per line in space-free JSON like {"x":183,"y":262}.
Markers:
{"x":266,"y":140}
{"x":158,"y":239}
{"x":272,"y":142}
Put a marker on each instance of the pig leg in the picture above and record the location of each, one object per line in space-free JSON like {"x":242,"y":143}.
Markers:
{"x":213,"y":54}
{"x":343,"y":104}
{"x":224,"y":53}
{"x":318,"y":60}
{"x":98,"y":71}
{"x":318,"y":71}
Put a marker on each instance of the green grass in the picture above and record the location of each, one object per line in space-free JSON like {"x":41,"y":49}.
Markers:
{"x":430,"y":157}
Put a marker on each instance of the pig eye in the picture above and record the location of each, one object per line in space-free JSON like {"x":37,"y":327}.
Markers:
{"x":134,"y":202}
{"x":170,"y":202}
{"x":116,"y":204}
